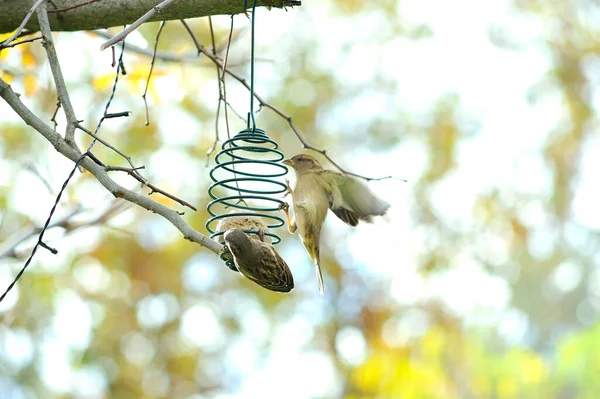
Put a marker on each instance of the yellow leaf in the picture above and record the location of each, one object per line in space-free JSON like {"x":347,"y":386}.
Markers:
{"x":6,"y":76}
{"x":28,"y":59}
{"x":30,"y":85}
{"x":103,"y":82}
{"x":5,"y":36}
{"x":4,"y":53}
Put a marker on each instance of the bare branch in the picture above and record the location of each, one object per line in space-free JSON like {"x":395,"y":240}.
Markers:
{"x":133,"y":173}
{"x":162,"y":25}
{"x":72,"y":7}
{"x":53,"y":119}
{"x":161,"y":55}
{"x":101,"y":175}
{"x":8,"y":248}
{"x":115,"y":12}
{"x":59,"y":80}
{"x":263,"y":103}
{"x":36,"y":172}
{"x":107,"y":144}
{"x":223,"y":93}
{"x":20,"y":28}
{"x":190,"y":58}
{"x":136,"y":24}
{"x":31,"y":39}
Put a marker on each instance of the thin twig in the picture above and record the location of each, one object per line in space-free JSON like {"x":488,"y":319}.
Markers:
{"x":35,"y":171}
{"x":220,"y":84}
{"x":107,"y":144}
{"x":161,"y":55}
{"x":13,"y":100}
{"x":40,"y":242}
{"x":20,"y":28}
{"x":31,"y":39}
{"x":136,"y":24}
{"x":219,"y":102}
{"x":191,"y":58}
{"x":288,"y":119}
{"x":223,"y":93}
{"x":160,"y":28}
{"x":134,"y":170}
{"x":53,"y":119}
{"x":59,"y":80}
{"x":235,"y":112}
{"x":198,"y":45}
{"x":64,"y":98}
{"x":114,"y":60}
{"x":133,"y":173}
{"x":72,"y":7}
{"x":8,"y":248}
{"x":191,"y":33}
{"x":222,"y":79}
{"x":123,"y":169}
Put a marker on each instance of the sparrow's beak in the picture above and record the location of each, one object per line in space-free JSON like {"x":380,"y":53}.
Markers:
{"x":288,"y":162}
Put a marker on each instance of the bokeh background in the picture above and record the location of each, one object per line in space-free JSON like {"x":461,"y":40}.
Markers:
{"x":481,"y":282}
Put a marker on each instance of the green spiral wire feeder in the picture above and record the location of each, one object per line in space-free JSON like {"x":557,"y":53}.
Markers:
{"x":244,"y":175}
{"x":247,"y":184}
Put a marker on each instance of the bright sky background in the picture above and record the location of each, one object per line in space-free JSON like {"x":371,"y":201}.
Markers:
{"x":458,"y":57}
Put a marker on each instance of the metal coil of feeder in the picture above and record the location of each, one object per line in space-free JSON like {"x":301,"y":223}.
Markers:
{"x":244,"y":179}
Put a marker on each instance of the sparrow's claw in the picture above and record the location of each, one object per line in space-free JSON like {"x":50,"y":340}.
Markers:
{"x":288,"y":189}
{"x":284,"y":207}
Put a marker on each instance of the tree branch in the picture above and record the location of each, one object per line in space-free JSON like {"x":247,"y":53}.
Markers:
{"x":101,"y":175}
{"x":78,"y":16}
{"x":8,"y":247}
{"x":263,"y":103}
{"x":59,"y":80}
{"x":22,"y":26}
{"x":154,"y":10}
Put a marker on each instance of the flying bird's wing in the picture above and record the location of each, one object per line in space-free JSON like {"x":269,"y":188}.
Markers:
{"x":348,"y":217}
{"x":351,"y":200}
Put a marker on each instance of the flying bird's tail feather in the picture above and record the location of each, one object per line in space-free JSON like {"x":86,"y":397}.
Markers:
{"x":319,"y":278}
{"x":312,"y":247}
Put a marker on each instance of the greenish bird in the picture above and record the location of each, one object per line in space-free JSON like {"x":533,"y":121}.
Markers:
{"x":258,"y":261}
{"x":316,"y":190}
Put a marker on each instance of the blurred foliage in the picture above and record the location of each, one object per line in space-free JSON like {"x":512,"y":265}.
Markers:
{"x":130,"y":309}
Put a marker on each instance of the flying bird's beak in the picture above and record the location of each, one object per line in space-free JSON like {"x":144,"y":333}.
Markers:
{"x":288,"y":162}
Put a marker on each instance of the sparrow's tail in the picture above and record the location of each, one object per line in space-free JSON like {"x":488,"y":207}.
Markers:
{"x":313,"y":251}
{"x":319,"y":277}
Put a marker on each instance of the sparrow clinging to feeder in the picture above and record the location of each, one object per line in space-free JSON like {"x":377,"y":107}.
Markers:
{"x":245,"y":222}
{"x":258,"y":261}
{"x":316,"y":190}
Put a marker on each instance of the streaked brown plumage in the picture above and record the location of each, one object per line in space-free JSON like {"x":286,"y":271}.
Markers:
{"x":258,"y":261}
{"x":246,"y":223}
{"x":317,"y":190}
